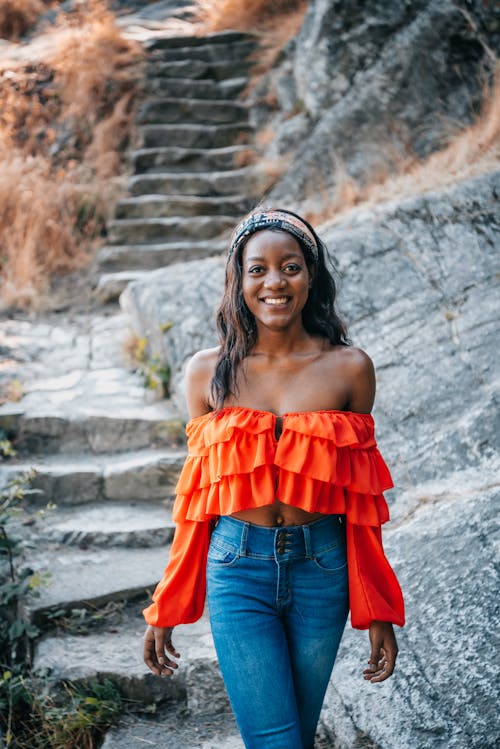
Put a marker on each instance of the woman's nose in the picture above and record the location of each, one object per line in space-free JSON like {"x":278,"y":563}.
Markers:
{"x":274,"y":279}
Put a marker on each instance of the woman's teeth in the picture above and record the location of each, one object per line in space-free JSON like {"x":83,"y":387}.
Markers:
{"x":276,"y":300}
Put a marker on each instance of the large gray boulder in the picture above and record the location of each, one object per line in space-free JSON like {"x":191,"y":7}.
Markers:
{"x":365,"y":85}
{"x":419,"y":288}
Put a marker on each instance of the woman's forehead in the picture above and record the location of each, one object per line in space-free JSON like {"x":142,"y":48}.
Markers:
{"x":271,"y":241}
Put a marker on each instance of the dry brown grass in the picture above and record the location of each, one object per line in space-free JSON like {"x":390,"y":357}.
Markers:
{"x":244,"y":15}
{"x":64,"y":125}
{"x":16,"y":16}
{"x":472,"y":151}
{"x":39,"y":216}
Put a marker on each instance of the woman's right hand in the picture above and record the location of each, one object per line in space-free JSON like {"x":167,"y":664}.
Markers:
{"x":157,"y":643}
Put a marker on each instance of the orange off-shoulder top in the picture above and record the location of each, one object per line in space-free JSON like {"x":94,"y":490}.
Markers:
{"x":323,"y":461}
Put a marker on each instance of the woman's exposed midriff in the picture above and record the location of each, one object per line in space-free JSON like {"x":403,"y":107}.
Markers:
{"x":277,"y":513}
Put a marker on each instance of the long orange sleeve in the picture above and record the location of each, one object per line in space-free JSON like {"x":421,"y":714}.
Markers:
{"x":374,"y":592}
{"x":179,"y":597}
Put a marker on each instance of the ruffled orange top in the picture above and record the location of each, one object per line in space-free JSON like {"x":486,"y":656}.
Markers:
{"x":323,"y":461}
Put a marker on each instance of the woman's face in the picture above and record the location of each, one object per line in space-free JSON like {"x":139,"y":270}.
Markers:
{"x":275,"y":278}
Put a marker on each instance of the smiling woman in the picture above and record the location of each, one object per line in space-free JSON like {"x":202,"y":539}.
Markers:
{"x":280,"y":501}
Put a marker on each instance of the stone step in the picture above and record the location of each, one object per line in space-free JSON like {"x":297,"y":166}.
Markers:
{"x":75,"y":479}
{"x":117,"y":655}
{"x":217,"y":71}
{"x":194,"y":159}
{"x":205,"y":731}
{"x":153,"y":256}
{"x":114,"y":524}
{"x":110,"y":285}
{"x":220,"y":37}
{"x":193,"y":136}
{"x":234,"y":52}
{"x":232,"y":182}
{"x":162,"y":206}
{"x":144,"y":230}
{"x":192,"y":88}
{"x":43,"y":431}
{"x":192,"y":111}
{"x":92,"y":577}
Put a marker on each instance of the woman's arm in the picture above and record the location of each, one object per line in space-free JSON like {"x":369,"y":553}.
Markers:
{"x":181,"y":593}
{"x":372,"y":581}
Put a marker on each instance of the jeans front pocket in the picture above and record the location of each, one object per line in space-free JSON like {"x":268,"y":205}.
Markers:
{"x":333,"y":559}
{"x":222,"y":554}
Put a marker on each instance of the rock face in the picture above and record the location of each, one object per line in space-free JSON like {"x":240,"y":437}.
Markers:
{"x":365,"y":85}
{"x":418,"y":288}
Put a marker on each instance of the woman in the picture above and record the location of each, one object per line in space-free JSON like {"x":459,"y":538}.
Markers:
{"x":283,"y":462}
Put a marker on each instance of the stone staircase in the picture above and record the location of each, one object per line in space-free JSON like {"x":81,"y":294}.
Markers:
{"x":105,"y":454}
{"x":193,"y":177}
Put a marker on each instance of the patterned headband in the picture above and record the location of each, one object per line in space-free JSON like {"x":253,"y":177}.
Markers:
{"x":273,"y":219}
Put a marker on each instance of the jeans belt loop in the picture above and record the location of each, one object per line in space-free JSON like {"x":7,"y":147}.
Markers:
{"x":243,"y":540}
{"x":307,"y":541}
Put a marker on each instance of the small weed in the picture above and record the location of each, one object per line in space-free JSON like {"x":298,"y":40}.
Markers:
{"x":82,"y":621}
{"x":156,"y":373}
{"x":6,"y":447}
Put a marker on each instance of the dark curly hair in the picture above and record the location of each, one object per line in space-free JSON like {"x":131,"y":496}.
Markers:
{"x":236,"y":324}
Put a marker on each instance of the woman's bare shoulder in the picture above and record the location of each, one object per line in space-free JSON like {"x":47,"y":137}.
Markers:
{"x":199,"y":373}
{"x":355,"y":368}
{"x":352,"y":358}
{"x":203,"y":362}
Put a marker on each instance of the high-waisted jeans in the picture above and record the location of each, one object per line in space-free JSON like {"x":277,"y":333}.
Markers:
{"x":278,"y":601}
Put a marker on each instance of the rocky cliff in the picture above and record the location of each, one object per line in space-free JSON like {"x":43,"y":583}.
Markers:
{"x":365,"y":86}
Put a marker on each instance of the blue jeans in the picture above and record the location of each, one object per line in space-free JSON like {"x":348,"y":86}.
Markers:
{"x":278,"y":602}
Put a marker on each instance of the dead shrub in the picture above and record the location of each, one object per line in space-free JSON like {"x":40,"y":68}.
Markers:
{"x":16,"y":16}
{"x":46,"y":220}
{"x":244,"y":15}
{"x":92,"y":63}
{"x":64,"y":125}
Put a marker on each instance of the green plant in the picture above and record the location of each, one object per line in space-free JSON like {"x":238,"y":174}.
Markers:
{"x":156,"y":374}
{"x":6,"y":446}
{"x":51,"y":715}
{"x":15,"y":584}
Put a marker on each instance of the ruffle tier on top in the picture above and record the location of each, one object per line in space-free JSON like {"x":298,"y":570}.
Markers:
{"x":324,"y":461}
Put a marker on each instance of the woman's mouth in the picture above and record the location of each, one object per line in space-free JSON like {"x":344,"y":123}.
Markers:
{"x":276,"y":301}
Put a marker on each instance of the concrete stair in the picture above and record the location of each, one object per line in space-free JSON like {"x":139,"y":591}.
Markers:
{"x":197,"y":159}
{"x":162,"y":206}
{"x":195,"y":88}
{"x":143,"y":230}
{"x":73,"y":479}
{"x":152,"y":256}
{"x":192,"y":178}
{"x":193,"y":136}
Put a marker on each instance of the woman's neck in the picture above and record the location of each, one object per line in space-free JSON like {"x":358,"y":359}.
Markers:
{"x":280,"y":343}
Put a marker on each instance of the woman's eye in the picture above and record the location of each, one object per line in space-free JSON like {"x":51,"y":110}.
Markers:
{"x":293,"y":267}
{"x":255,"y":269}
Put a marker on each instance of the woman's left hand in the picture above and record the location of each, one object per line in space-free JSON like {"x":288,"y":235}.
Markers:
{"x":384,"y":650}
